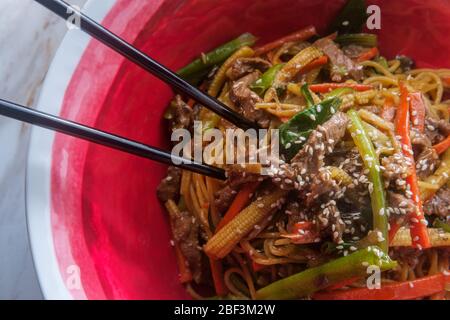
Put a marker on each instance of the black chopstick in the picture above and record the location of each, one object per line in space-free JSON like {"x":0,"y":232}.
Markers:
{"x":74,"y":129}
{"x":64,"y":10}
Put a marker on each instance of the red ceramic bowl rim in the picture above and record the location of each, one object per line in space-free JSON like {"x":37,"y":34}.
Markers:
{"x":38,"y":196}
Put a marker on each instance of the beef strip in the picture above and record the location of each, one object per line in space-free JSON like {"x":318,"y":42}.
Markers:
{"x":224,"y":197}
{"x":181,"y":115}
{"x":330,"y":222}
{"x":295,"y":214}
{"x":185,"y":231}
{"x":419,"y":141}
{"x":401,"y":204}
{"x":436,"y":130}
{"x":353,"y":51}
{"x":245,"y":100}
{"x":406,"y":63}
{"x":169,"y":187}
{"x":396,"y":169}
{"x":243,"y":66}
{"x":320,"y":143}
{"x":307,"y":162}
{"x":236,"y":178}
{"x":308,"y":174}
{"x":427,"y":162}
{"x":341,"y":66}
{"x":439,"y":204}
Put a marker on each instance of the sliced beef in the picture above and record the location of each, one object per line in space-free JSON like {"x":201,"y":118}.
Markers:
{"x":245,"y":100}
{"x":436,"y":130}
{"x":353,"y":51}
{"x":320,"y":143}
{"x":321,"y":185}
{"x":295,"y":214}
{"x":342,"y":67}
{"x":396,"y":169}
{"x":306,"y":163}
{"x":439,"y":204}
{"x":224,"y":197}
{"x":330,"y":222}
{"x":419,"y":141}
{"x":169,"y":187}
{"x":427,"y":162}
{"x":185,"y":231}
{"x":401,"y":204}
{"x":180,"y":114}
{"x":243,"y":66}
{"x":406,"y":63}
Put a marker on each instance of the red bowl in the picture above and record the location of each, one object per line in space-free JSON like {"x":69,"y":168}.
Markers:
{"x":107,"y":226}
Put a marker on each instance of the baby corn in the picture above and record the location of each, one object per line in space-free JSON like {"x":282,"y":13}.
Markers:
{"x":226,"y":238}
{"x":291,"y":68}
{"x":438,"y":238}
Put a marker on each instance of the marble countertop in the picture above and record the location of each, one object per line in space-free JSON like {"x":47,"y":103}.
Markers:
{"x":29,"y":38}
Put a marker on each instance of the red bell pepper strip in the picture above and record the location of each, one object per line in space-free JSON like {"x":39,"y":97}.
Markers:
{"x":342,"y":284}
{"x":300,"y":35}
{"x":393,"y":228}
{"x":327,"y":87}
{"x":407,"y":290}
{"x":368,"y":55}
{"x":442,"y":146}
{"x":417,"y":107}
{"x":419,"y":234}
{"x":314,"y":64}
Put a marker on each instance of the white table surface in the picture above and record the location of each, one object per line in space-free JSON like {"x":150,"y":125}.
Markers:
{"x":29,"y":37}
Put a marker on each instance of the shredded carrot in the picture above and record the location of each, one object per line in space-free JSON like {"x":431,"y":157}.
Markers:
{"x":217,"y":275}
{"x":327,"y":87}
{"x":185,"y":274}
{"x":419,"y":234}
{"x":239,"y":203}
{"x":368,"y":55}
{"x":300,"y":35}
{"x":442,"y":146}
{"x":417,"y":107}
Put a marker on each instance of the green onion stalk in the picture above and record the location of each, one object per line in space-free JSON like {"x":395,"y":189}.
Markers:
{"x":371,"y":162}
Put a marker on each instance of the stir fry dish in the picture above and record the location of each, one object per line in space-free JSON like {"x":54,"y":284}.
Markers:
{"x":362,"y":184}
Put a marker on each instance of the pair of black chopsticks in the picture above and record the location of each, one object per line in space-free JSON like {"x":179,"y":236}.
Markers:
{"x":119,"y":45}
